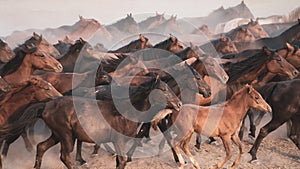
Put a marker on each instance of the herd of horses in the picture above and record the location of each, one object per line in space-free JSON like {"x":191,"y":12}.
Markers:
{"x":199,"y":89}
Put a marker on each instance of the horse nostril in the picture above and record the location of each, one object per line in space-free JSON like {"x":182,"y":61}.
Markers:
{"x":296,"y":73}
{"x":59,"y":66}
{"x":179,"y":104}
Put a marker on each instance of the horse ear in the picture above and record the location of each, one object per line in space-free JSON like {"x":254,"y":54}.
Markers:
{"x":28,"y":48}
{"x":223,"y":38}
{"x":36,"y":36}
{"x":80,"y":17}
{"x":267,"y":51}
{"x":299,"y":20}
{"x":130,"y":14}
{"x":256,"y":20}
{"x":142,"y":38}
{"x":173,"y":38}
{"x":289,"y":46}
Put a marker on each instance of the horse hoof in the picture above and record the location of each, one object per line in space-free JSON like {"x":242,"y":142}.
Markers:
{"x":257,"y":162}
{"x":147,"y":140}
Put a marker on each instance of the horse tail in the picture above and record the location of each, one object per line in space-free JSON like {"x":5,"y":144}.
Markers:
{"x":159,"y":116}
{"x":30,"y":115}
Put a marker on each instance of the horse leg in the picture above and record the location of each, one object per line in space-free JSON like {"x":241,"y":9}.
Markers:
{"x":96,"y":149}
{"x":295,"y":131}
{"x":241,"y":132}
{"x":236,"y":140}
{"x":264,"y":131}
{"x":31,"y":131}
{"x":252,"y":125}
{"x":78,"y":153}
{"x":259,"y":118}
{"x":42,"y":148}
{"x":226,"y":139}
{"x":146,"y":131}
{"x":163,"y":128}
{"x":27,"y":142}
{"x":185,"y":147}
{"x":67,"y":145}
{"x":120,"y":158}
{"x":198,"y":141}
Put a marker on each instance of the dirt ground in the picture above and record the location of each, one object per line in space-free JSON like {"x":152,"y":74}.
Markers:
{"x":276,"y":152}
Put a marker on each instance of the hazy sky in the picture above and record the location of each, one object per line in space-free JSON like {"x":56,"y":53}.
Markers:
{"x":24,"y":14}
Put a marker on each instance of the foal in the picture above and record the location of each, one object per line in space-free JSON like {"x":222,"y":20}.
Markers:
{"x":228,"y":116}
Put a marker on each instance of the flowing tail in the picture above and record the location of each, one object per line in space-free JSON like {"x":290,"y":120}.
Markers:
{"x":30,"y":115}
{"x":159,"y":116}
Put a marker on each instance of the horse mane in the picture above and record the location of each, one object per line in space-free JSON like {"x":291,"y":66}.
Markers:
{"x":183,"y":54}
{"x":164,"y":44}
{"x":12,"y":65}
{"x":79,"y":44}
{"x":236,"y":70}
{"x":112,"y":63}
{"x":129,"y":47}
{"x":144,"y":88}
{"x":291,"y":32}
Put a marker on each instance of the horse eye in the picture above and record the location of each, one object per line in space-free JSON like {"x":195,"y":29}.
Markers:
{"x":42,"y":56}
{"x":256,"y":97}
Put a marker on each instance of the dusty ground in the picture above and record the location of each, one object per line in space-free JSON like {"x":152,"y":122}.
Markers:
{"x":276,"y":152}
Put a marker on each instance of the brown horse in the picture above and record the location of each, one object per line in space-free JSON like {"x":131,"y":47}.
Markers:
{"x":171,"y":44}
{"x":283,"y":97}
{"x":6,"y":53}
{"x":241,"y":34}
{"x":248,"y":71}
{"x":290,"y":35}
{"x":224,"y":121}
{"x":256,"y":29}
{"x":27,"y":60}
{"x":61,"y":118}
{"x":152,"y":22}
{"x":133,"y":46}
{"x":36,"y":90}
{"x":42,"y":44}
{"x":222,"y":45}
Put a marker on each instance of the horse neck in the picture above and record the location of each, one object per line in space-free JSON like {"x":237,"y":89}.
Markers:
{"x":251,"y":76}
{"x":239,"y":103}
{"x":22,"y":74}
{"x":15,"y":102}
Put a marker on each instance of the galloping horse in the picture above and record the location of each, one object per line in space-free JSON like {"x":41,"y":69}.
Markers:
{"x":27,"y":60}
{"x":222,"y":45}
{"x":61,"y":118}
{"x":171,"y":44}
{"x":283,"y":97}
{"x":222,"y":120}
{"x":36,"y":90}
{"x":133,"y":46}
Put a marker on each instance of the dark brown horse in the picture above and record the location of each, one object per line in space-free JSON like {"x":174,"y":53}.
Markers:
{"x":63,"y":46}
{"x":283,"y":97}
{"x":27,"y":60}
{"x":6,"y":53}
{"x":222,"y":120}
{"x":60,"y":116}
{"x":133,"y":46}
{"x":171,"y":44}
{"x":63,"y":83}
{"x":78,"y":55}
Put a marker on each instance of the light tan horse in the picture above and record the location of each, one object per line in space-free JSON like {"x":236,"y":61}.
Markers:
{"x":225,"y":117}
